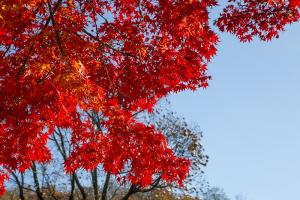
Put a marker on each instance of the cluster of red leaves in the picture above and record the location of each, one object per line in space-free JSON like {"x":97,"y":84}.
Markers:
{"x":62,"y":58}
{"x":129,"y":143}
{"x":262,"y":18}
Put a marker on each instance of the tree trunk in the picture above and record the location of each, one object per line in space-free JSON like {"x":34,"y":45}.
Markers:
{"x":130,"y":192}
{"x":36,"y":182}
{"x":62,"y":150}
{"x":20,"y":185}
{"x":105,"y":187}
{"x":71,"y":197}
{"x":83,"y":194}
{"x":95,"y":183}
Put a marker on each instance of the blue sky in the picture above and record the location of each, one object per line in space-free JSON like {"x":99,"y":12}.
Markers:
{"x":250,"y":116}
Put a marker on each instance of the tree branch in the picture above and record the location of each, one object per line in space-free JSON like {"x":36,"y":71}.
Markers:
{"x":105,"y":187}
{"x":22,"y":68}
{"x":38,"y":192}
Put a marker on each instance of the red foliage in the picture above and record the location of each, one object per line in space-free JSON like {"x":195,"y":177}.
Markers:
{"x":60,"y":58}
{"x":262,"y":18}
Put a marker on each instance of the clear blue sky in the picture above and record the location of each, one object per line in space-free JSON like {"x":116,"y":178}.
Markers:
{"x":250,"y":115}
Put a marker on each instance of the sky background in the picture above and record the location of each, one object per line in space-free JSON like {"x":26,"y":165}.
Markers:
{"x":250,"y":117}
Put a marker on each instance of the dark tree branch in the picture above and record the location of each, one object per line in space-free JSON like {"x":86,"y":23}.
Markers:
{"x":56,"y":34}
{"x":20,"y":184}
{"x":62,"y":149}
{"x":105,"y":187}
{"x":22,"y":68}
{"x":38,"y":191}
{"x":94,"y":175}
{"x":130,"y":192}
{"x":71,"y":197}
{"x":6,"y":51}
{"x":109,"y":46}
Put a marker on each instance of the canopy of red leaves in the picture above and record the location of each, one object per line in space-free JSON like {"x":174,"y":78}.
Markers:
{"x":63,"y":58}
